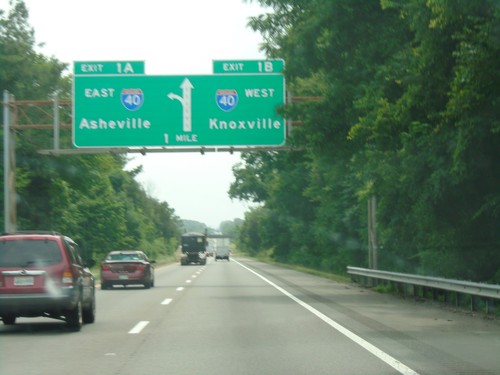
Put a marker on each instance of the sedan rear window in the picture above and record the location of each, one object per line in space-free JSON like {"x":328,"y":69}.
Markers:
{"x":124,"y":257}
{"x":29,"y":253}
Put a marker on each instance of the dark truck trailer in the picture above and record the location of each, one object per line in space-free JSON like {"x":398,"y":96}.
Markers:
{"x":193,"y":247}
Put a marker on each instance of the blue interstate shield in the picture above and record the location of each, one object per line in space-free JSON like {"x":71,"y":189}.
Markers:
{"x":226,"y":99}
{"x":132,"y":99}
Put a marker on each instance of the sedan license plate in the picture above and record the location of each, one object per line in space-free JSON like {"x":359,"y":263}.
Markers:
{"x":123,"y":277}
{"x":24,"y":281}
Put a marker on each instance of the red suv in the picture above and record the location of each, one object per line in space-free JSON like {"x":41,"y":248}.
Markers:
{"x":43,"y":274}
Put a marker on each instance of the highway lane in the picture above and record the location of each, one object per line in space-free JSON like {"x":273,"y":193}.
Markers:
{"x":246,"y":317}
{"x":428,"y":338}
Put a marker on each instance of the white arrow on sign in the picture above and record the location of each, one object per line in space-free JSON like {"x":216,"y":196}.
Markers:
{"x":185,"y":100}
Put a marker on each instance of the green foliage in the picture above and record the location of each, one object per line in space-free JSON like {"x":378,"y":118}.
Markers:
{"x":251,"y":236}
{"x":231,"y":228}
{"x":409,"y":112}
{"x":91,"y":198}
{"x":193,"y":226}
{"x":24,"y":72}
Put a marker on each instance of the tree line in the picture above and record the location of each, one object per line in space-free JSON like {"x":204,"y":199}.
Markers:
{"x":408,"y":112}
{"x":91,"y":198}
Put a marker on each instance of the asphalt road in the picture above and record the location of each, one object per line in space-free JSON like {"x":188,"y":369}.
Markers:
{"x":246,"y":317}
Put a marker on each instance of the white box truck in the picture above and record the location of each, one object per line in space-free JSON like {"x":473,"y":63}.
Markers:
{"x":222,"y":249}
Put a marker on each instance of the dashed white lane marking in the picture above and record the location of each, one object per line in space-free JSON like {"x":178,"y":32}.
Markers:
{"x":391,"y":361}
{"x":138,"y":327}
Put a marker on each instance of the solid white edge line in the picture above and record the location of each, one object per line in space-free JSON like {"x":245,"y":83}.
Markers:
{"x":138,"y":327}
{"x":391,"y":361}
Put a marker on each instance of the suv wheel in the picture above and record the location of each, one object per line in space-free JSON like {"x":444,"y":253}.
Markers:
{"x":74,"y":317}
{"x":9,"y":319}
{"x":88,"y":312}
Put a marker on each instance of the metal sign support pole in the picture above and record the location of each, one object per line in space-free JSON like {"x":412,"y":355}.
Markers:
{"x":56,"y":121}
{"x":9,"y":163}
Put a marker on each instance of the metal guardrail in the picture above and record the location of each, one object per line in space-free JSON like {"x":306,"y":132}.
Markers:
{"x":488,"y":292}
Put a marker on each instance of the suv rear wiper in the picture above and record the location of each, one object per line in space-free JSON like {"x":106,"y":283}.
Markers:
{"x":38,"y":261}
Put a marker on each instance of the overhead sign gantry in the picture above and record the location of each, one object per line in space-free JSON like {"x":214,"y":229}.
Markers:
{"x":130,"y":109}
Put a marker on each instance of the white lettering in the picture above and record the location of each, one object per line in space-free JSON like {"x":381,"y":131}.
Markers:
{"x":190,"y":138}
{"x":258,"y":124}
{"x":128,"y":68}
{"x":232,"y":67}
{"x":101,"y":124}
{"x":99,"y":93}
{"x":92,"y":68}
{"x":84,"y":124}
{"x":259,"y":93}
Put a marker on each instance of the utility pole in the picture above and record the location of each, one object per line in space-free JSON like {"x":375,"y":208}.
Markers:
{"x":372,"y":233}
{"x":9,"y":166}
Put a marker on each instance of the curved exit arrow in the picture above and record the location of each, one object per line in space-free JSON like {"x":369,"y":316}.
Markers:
{"x":185,"y":100}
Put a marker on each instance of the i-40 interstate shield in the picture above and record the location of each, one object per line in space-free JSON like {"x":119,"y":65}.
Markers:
{"x":178,"y":111}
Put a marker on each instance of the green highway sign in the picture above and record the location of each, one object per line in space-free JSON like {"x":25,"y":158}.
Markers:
{"x":249,"y":66}
{"x":109,"y":67}
{"x":178,"y":111}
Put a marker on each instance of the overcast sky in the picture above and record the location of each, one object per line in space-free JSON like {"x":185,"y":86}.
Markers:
{"x":172,"y":38}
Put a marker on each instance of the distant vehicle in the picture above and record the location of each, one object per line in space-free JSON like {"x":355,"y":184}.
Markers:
{"x":222,"y":253}
{"x":222,"y":250}
{"x":43,"y":274}
{"x":127,"y":267}
{"x":193,"y":248}
{"x":210,"y":248}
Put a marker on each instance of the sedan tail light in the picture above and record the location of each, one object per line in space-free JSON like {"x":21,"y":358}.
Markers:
{"x":105,"y":267}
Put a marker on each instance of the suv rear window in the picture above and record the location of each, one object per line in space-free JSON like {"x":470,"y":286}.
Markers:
{"x":29,"y":253}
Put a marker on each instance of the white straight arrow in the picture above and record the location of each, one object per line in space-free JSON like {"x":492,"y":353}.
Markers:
{"x":185,"y":100}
